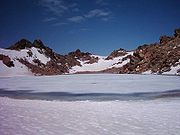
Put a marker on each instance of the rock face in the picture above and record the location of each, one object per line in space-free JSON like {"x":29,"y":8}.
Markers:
{"x":80,"y":56}
{"x":177,"y":33}
{"x":117,"y":53}
{"x":155,"y":58}
{"x":165,"y":39}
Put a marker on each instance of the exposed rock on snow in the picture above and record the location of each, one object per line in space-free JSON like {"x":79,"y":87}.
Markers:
{"x":101,"y":65}
{"x":6,"y":60}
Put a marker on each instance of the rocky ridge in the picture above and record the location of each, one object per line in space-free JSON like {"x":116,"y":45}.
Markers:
{"x":57,"y":64}
{"x":157,"y":58}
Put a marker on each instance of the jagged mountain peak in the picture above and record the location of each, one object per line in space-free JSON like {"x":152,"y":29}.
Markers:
{"x":24,"y":43}
{"x":21,"y":44}
{"x":38,"y":44}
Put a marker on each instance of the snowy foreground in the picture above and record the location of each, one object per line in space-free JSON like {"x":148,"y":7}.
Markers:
{"x":146,"y":105}
{"x":34,"y":117}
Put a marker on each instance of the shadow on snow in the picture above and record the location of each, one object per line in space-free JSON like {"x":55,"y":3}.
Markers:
{"x":66,"y":96}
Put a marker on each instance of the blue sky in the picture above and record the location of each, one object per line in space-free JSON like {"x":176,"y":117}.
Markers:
{"x":97,"y":26}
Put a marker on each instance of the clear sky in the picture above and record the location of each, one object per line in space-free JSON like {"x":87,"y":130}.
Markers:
{"x":97,"y":26}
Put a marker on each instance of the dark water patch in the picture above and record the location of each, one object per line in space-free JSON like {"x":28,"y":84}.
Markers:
{"x":66,"y":96}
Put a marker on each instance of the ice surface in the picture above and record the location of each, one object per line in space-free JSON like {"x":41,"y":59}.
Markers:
{"x":32,"y":117}
{"x":92,"y":83}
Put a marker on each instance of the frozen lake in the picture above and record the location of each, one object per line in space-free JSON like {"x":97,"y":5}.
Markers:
{"x":89,"y":87}
{"x":96,"y":104}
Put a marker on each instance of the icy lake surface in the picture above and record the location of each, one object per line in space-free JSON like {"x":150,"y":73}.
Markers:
{"x":90,"y":105}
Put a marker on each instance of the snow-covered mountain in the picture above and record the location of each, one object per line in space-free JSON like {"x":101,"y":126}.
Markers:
{"x":26,"y":58}
{"x":101,"y":64}
{"x":36,"y":60}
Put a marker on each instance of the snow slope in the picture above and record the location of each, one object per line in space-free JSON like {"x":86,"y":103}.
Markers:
{"x":32,"y":117}
{"x":20,"y":69}
{"x":102,"y":64}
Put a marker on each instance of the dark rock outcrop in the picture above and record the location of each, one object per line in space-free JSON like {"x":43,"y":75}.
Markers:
{"x":6,"y":60}
{"x":177,"y":32}
{"x":78,"y":55}
{"x":51,"y":68}
{"x":117,"y":53}
{"x":165,"y":39}
{"x":22,"y":44}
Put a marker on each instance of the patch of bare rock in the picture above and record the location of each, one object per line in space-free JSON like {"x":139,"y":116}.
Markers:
{"x":6,"y":60}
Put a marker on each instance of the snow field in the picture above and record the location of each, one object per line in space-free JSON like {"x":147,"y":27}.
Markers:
{"x":32,"y":117}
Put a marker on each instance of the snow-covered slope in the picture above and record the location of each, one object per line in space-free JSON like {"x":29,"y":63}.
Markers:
{"x":31,"y":54}
{"x":19,"y":68}
{"x":32,"y":117}
{"x":102,"y":64}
